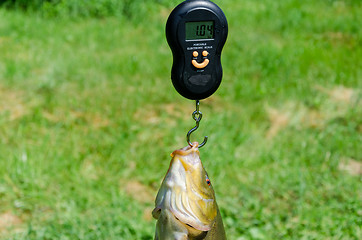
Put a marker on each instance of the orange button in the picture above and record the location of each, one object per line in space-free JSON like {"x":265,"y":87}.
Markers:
{"x":195,"y":54}
{"x":200,"y":65}
{"x":205,"y":53}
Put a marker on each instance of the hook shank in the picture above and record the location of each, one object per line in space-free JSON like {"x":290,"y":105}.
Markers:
{"x":197,"y":116}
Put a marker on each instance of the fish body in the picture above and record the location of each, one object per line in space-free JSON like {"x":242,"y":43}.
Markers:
{"x":185,"y":206}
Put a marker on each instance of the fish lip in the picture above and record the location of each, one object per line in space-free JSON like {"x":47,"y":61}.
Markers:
{"x":187,"y":150}
{"x":181,"y":155}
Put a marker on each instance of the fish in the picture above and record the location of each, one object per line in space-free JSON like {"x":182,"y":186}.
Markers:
{"x":185,"y":205}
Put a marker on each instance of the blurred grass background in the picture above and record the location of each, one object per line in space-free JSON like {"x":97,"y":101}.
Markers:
{"x":88,"y":118}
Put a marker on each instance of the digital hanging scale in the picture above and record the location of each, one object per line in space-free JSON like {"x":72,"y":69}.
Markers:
{"x":196,"y":32}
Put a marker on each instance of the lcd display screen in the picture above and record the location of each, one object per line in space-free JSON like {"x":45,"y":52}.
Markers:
{"x":199,"y":30}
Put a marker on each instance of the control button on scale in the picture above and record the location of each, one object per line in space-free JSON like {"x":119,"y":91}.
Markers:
{"x":202,"y":64}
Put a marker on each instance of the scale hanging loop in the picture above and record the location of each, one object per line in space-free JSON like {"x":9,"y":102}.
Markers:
{"x":197,"y":116}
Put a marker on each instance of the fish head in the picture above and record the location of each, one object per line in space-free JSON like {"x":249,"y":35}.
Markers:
{"x":186,"y":192}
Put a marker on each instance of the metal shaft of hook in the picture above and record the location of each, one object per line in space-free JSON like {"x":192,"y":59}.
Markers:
{"x":197,"y":116}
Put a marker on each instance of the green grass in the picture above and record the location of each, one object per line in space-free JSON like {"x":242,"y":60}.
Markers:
{"x":88,"y":114}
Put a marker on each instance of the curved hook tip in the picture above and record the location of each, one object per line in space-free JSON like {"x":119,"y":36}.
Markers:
{"x":204,"y":142}
{"x":200,"y":145}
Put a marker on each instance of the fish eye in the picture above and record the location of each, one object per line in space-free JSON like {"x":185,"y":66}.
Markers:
{"x":208,"y":181}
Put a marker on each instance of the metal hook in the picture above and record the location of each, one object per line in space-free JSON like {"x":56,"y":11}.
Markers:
{"x":197,"y":116}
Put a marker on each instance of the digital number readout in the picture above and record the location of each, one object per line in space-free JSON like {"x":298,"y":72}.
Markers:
{"x":199,"y":30}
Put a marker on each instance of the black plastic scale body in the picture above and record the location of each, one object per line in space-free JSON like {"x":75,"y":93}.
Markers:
{"x":196,"y":32}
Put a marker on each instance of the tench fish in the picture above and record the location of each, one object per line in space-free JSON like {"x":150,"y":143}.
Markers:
{"x":186,"y":207}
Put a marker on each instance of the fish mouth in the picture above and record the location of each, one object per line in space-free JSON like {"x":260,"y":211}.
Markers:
{"x":200,"y":234}
{"x":168,"y":224}
{"x":195,"y":227}
{"x":193,"y":223}
{"x":182,"y":211}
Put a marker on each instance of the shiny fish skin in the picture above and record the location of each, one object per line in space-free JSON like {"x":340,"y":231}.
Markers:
{"x":185,"y":206}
